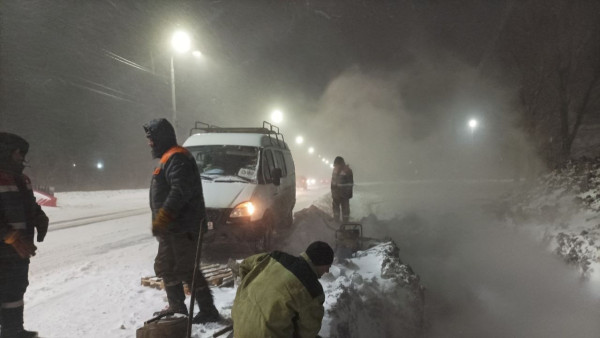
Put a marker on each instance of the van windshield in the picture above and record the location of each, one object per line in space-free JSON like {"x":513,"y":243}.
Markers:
{"x":226,"y":163}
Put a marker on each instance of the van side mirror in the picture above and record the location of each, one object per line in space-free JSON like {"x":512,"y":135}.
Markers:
{"x":276,"y":174}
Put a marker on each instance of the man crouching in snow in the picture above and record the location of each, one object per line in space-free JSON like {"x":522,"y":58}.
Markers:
{"x":178,"y":212}
{"x":280,"y":295}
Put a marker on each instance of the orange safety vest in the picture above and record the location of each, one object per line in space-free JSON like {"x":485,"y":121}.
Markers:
{"x":167,"y":155}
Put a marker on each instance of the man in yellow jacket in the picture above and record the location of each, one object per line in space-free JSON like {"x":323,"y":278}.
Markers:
{"x":280,"y":295}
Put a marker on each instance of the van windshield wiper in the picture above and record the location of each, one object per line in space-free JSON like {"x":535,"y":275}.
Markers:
{"x":233,"y":178}
{"x":244,"y":178}
{"x":206,"y":177}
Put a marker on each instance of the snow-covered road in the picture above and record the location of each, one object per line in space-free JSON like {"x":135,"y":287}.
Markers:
{"x":85,"y":279}
{"x":482,"y":279}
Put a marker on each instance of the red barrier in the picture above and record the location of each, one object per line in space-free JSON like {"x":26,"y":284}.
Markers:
{"x":44,"y":199}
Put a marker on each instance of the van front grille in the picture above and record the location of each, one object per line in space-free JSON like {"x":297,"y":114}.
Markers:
{"x":218,"y":216}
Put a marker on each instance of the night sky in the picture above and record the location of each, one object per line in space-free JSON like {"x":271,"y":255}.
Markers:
{"x":79,"y":78}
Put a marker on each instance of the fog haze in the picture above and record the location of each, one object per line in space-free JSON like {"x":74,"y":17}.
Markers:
{"x":404,"y":76}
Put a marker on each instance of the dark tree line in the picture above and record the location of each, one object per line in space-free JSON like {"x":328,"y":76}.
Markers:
{"x":549,"y":50}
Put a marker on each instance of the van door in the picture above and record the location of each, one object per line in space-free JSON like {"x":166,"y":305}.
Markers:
{"x":287,"y":188}
{"x":270,"y":190}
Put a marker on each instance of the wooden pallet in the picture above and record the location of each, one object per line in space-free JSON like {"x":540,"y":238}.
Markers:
{"x":215,"y":274}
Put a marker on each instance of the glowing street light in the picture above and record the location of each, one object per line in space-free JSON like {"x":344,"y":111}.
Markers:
{"x":473,"y":124}
{"x":299,"y":139}
{"x":311,"y":150}
{"x":277,"y":116}
{"x":100,"y":165}
{"x":197,"y":54}
{"x":181,"y":41}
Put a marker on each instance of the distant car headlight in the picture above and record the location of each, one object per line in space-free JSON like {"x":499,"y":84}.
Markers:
{"x":245,"y":209}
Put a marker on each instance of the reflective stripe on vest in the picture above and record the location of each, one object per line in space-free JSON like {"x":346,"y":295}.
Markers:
{"x":13,"y":305}
{"x":18,"y":225}
{"x":7,"y":188}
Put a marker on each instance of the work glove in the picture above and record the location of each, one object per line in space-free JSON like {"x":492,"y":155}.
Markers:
{"x":23,"y":246}
{"x":161,"y":222}
{"x":41,"y":224}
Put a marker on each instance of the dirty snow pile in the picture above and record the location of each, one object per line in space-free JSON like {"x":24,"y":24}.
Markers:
{"x":563,"y":211}
{"x":373,"y":294}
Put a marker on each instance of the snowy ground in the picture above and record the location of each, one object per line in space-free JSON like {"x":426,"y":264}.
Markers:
{"x":85,"y":279}
{"x":481,"y":279}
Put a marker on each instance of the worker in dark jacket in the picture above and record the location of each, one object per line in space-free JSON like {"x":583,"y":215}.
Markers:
{"x":280,"y":295}
{"x":342,"y":183}
{"x":20,"y":215}
{"x":178,"y":214}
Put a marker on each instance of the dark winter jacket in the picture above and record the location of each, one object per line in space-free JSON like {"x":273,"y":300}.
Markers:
{"x":342,"y":182}
{"x":279,"y":296}
{"x":18,"y":207}
{"x":176,"y":184}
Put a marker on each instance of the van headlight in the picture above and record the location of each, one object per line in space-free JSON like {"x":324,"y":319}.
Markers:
{"x":245,"y":209}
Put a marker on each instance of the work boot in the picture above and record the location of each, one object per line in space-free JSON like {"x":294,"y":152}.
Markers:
{"x":19,"y":334}
{"x":176,"y":299}
{"x":210,"y":315}
{"x":12,"y":324}
{"x":208,"y":311}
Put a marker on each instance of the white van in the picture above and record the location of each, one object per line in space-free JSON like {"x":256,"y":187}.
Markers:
{"x":249,"y":182}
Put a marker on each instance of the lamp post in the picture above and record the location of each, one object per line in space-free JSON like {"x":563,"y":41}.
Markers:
{"x":181,"y":43}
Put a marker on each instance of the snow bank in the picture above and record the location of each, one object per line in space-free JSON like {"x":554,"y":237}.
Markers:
{"x":563,"y":211}
{"x":373,"y":294}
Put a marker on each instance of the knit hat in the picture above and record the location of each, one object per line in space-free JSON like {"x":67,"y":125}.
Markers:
{"x":11,"y":142}
{"x":320,"y":253}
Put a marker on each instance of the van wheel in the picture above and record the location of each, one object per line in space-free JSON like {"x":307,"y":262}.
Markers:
{"x":265,"y":242}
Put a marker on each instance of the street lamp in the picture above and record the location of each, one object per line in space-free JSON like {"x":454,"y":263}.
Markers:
{"x":311,"y":150}
{"x":473,"y":124}
{"x":276,"y":116}
{"x":181,"y":43}
{"x":299,"y":139}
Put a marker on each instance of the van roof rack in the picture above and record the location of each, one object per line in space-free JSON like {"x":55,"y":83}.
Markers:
{"x":267,"y":129}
